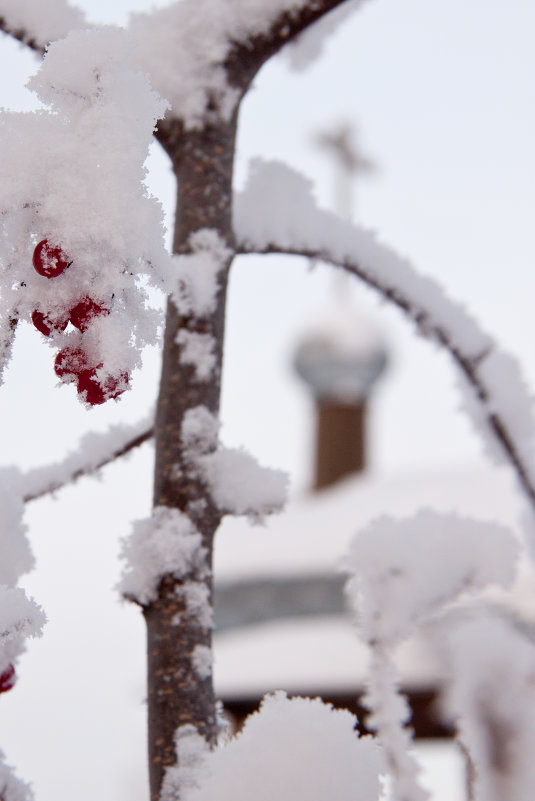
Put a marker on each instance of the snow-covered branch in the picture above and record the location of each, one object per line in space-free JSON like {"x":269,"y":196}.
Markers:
{"x":94,"y":452}
{"x":277,"y":214}
{"x":237,"y":483}
{"x":402,"y":572}
{"x":7,"y":336}
{"x":207,"y":52}
{"x":37,"y":24}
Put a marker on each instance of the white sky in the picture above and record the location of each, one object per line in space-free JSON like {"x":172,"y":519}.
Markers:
{"x":442,"y":96}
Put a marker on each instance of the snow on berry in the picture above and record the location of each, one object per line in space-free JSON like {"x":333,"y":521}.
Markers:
{"x":96,"y":391}
{"x":7,"y":679}
{"x":46,"y":323}
{"x":85,"y":311}
{"x":70,"y":363}
{"x":49,"y":260}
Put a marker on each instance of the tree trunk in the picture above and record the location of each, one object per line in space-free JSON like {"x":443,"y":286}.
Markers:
{"x":178,"y":693}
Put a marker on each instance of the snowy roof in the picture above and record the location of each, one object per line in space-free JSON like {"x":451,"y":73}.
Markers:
{"x":323,"y":653}
{"x":315,"y":531}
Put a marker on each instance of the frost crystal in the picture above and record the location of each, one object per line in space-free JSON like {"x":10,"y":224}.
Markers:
{"x":167,"y":542}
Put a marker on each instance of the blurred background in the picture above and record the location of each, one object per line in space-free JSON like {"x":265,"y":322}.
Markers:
{"x":439,"y":98}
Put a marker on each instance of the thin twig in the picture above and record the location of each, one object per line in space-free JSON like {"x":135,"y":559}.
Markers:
{"x":80,"y":472}
{"x":22,"y":36}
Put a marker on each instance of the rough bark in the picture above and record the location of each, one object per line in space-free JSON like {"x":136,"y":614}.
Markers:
{"x":203,"y":164}
{"x":177,"y":694}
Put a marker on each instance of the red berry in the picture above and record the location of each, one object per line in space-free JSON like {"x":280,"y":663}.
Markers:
{"x":70,"y":363}
{"x":95,"y":391}
{"x":46,"y":324}
{"x":85,"y":311}
{"x":7,"y":679}
{"x":49,"y":260}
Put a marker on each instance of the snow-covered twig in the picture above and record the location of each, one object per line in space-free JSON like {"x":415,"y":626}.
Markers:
{"x":276,"y":214}
{"x":22,"y":36}
{"x":37,"y":24}
{"x":6,"y":341}
{"x":94,"y":452}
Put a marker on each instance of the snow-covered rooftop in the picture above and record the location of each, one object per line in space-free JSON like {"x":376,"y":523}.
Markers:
{"x":324,"y":653}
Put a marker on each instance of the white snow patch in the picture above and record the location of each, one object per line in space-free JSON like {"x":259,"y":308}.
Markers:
{"x":490,"y":694}
{"x":277,"y":207}
{"x":200,"y":430}
{"x":184,"y":47}
{"x":13,"y":789}
{"x":167,"y":542}
{"x":17,"y":557}
{"x":293,"y":749}
{"x":199,"y":351}
{"x":202,"y":659}
{"x":43,"y":22}
{"x":240,"y":486}
{"x":405,"y":570}
{"x":191,"y":751}
{"x":198,"y":606}
{"x":193,"y":279}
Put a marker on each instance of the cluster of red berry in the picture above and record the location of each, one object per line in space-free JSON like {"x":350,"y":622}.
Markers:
{"x":72,"y":365}
{"x":7,"y":679}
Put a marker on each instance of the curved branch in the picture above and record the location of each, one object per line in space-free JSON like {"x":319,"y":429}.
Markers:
{"x":468,"y":363}
{"x":47,"y":480}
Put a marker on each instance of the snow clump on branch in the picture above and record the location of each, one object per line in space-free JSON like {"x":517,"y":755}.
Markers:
{"x":166,"y":543}
{"x":291,"y":748}
{"x":42,"y":22}
{"x":193,"y":277}
{"x":185,"y":45}
{"x":20,"y":616}
{"x":237,"y":483}
{"x":405,"y":570}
